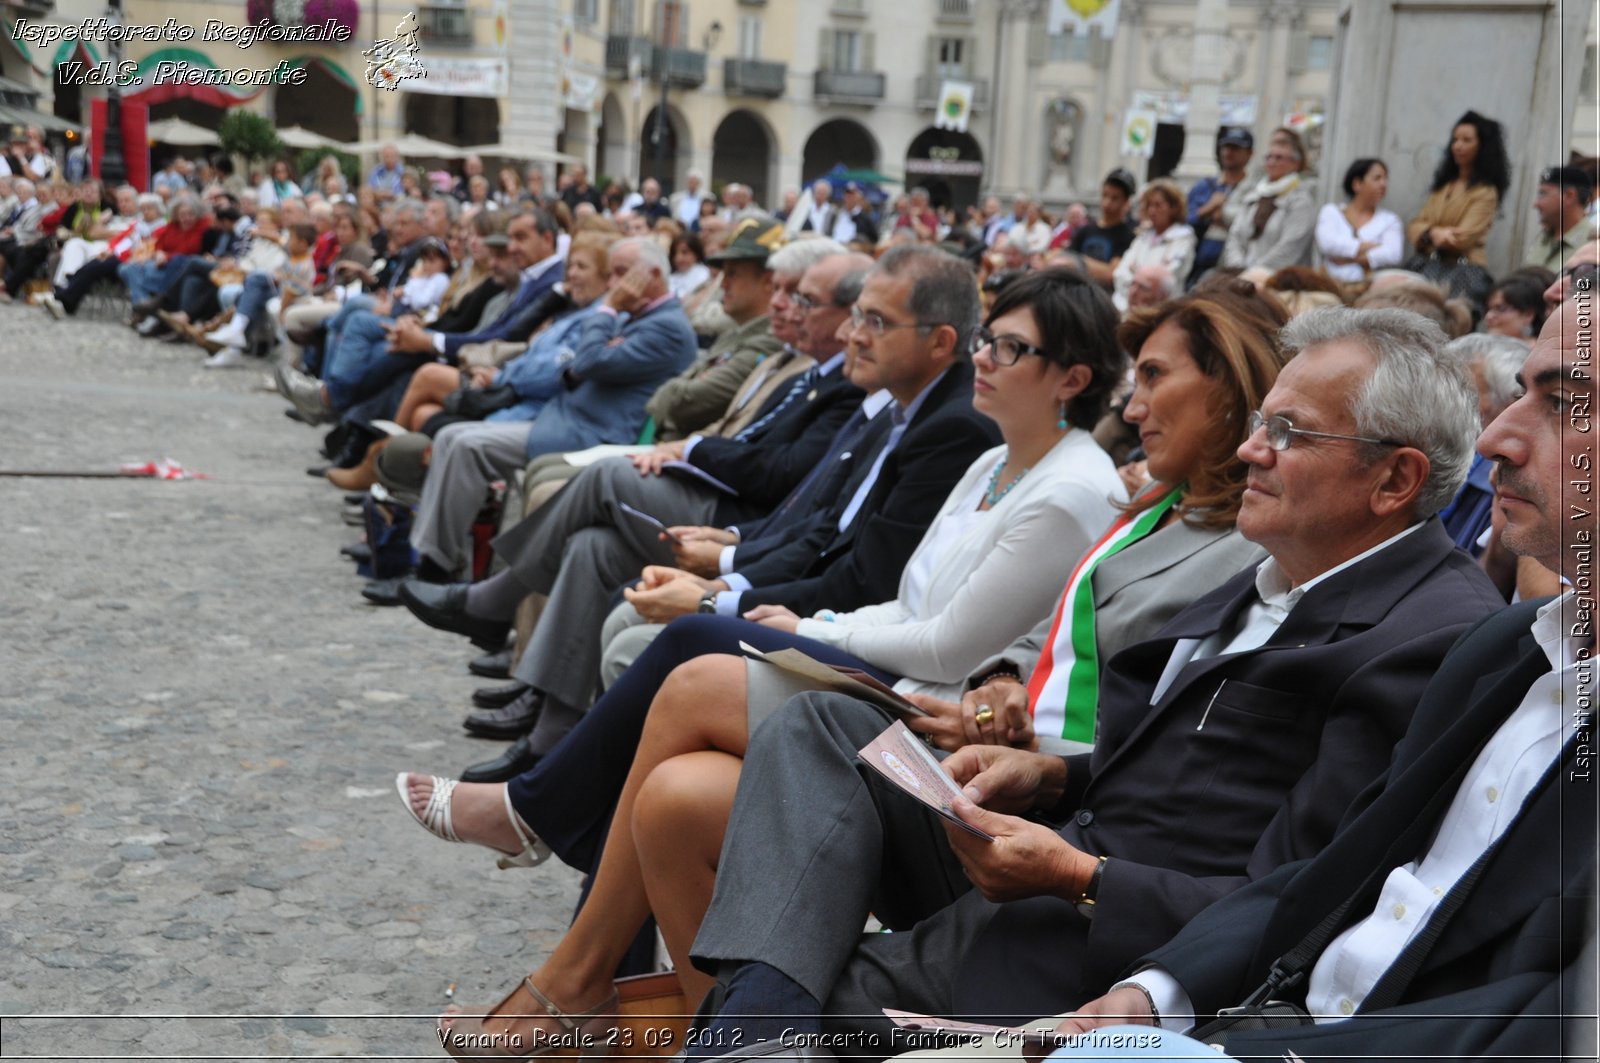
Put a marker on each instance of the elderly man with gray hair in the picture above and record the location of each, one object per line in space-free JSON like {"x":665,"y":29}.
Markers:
{"x":1229,"y":744}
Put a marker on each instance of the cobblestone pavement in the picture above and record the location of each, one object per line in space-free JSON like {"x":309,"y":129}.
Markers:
{"x":202,"y":721}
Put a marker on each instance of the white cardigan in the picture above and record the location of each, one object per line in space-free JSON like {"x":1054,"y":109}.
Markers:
{"x":993,"y":583}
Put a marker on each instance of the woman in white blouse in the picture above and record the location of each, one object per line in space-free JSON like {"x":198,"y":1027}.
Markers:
{"x":989,"y":566}
{"x":1360,"y":237}
{"x":1164,"y":240}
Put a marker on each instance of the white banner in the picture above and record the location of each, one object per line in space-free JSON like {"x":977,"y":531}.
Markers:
{"x":1077,"y":16}
{"x":1139,"y":133}
{"x":460,"y":77}
{"x":955,"y":106}
{"x":582,"y":91}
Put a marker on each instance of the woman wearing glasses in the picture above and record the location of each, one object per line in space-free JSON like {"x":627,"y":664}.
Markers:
{"x":1278,"y":218}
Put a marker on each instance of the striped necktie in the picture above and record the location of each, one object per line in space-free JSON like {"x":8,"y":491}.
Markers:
{"x":802,"y":383}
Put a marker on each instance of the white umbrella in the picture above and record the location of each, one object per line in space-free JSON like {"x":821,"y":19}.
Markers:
{"x":522,"y":151}
{"x":183,"y":134}
{"x":410,"y":145}
{"x":305,"y":139}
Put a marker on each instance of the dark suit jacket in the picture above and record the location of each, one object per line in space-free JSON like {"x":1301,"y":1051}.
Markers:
{"x":861,"y":565}
{"x":517,"y":320}
{"x":1500,"y":963}
{"x":1247,"y":762}
{"x":766,"y":467}
{"x":468,"y":313}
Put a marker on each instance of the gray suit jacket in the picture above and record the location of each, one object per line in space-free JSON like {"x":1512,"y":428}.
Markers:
{"x":1137,"y":590}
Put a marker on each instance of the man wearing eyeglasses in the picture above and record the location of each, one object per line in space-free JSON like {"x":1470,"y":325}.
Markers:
{"x":1228,"y":745}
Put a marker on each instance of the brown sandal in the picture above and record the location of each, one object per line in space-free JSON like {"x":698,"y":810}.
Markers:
{"x":473,"y":1034}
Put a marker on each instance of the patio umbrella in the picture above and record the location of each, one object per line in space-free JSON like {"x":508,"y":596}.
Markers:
{"x":304,"y":139}
{"x":522,"y":152}
{"x":180,"y":133}
{"x":410,"y":146}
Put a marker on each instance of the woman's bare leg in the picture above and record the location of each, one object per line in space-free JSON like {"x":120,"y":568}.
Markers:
{"x":700,"y":707}
{"x":429,"y":384}
{"x":678,"y":823}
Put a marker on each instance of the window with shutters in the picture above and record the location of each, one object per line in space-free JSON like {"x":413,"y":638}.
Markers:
{"x":586,"y":12}
{"x":1319,"y":54}
{"x":750,"y":37}
{"x":950,"y":57}
{"x":846,"y":57}
{"x":621,"y":22}
{"x":672,"y":25}
{"x":1069,"y":48}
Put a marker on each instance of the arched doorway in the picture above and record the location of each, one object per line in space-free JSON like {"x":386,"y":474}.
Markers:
{"x":611,"y":143}
{"x":840,"y":141}
{"x":325,"y":103}
{"x":948,"y":164}
{"x":458,"y":120}
{"x":743,"y":150}
{"x":668,"y":160}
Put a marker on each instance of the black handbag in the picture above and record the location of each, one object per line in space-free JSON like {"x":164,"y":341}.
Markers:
{"x":1462,"y":279}
{"x":474,"y":404}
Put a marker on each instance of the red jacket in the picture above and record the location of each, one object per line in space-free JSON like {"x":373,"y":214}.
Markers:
{"x":174,"y":240}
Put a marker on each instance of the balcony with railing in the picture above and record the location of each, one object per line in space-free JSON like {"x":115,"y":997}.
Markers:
{"x":685,"y":67}
{"x":848,"y":86}
{"x":930,"y":85}
{"x":447,"y":25}
{"x":953,"y":10}
{"x":754,"y":77}
{"x":620,"y":48}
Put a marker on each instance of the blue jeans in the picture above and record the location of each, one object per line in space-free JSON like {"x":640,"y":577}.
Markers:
{"x":258,"y":289}
{"x":142,"y":278}
{"x":358,"y":363}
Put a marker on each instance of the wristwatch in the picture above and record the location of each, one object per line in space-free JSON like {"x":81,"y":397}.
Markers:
{"x":1085,"y":901}
{"x":708,"y":604}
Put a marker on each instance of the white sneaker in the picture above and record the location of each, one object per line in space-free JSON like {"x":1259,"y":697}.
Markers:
{"x":227,"y":358}
{"x":229,"y":335}
{"x":57,"y":309}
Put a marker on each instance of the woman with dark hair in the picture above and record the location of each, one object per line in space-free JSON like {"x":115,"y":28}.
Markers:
{"x":278,"y":186}
{"x":1361,"y":236}
{"x":1468,"y":185}
{"x":1515,"y":306}
{"x":1008,"y":534}
{"x":689,"y":269}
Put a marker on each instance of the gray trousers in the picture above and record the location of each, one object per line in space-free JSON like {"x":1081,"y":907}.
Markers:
{"x":579,"y":548}
{"x":624,"y":636}
{"x":815,"y":845}
{"x":467,"y":458}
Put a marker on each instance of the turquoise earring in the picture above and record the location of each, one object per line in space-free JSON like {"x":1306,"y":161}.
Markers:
{"x":1061,"y":422}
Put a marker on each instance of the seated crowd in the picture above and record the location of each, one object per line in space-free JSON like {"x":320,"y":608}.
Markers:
{"x":1182,"y":532}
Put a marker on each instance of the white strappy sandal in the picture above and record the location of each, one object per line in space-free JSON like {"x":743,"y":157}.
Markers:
{"x":436,"y":820}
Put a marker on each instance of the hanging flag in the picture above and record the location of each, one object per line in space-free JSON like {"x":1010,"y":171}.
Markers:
{"x":1139,"y":133}
{"x":1076,"y":16}
{"x":955,"y":106}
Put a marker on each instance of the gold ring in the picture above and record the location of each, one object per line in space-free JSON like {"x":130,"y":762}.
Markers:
{"x":984,"y":716}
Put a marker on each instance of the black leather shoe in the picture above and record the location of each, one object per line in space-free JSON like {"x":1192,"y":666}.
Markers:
{"x":360,"y":553}
{"x":495,"y":665}
{"x":383,"y":591}
{"x":444,"y":606}
{"x":498,"y":697}
{"x":517,"y":759}
{"x":318,"y":472}
{"x":512,"y":721}
{"x":355,"y":498}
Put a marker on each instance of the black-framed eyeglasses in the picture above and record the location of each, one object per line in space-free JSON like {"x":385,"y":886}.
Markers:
{"x":1005,"y":350}
{"x":873,"y":322}
{"x":1281,"y":432}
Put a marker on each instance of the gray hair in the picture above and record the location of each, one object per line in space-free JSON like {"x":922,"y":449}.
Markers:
{"x":1499,"y":357}
{"x":650,"y":252}
{"x":801,"y":255}
{"x":1418,"y":393}
{"x":943,"y":288}
{"x":190,"y":200}
{"x":848,"y":288}
{"x":22,"y":187}
{"x":147,"y":199}
{"x":410,"y":208}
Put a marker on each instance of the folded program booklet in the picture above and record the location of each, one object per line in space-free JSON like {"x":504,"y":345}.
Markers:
{"x":836,"y":677}
{"x":903,"y":759}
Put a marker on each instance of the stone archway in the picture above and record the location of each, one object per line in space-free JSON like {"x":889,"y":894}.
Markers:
{"x":948,"y":164}
{"x":325,"y":103}
{"x":611,"y":142}
{"x":839,"y":141}
{"x":743,"y":150}
{"x":458,"y":120}
{"x":674,"y":151}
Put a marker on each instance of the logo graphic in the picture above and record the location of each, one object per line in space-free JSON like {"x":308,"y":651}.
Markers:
{"x":394,"y":60}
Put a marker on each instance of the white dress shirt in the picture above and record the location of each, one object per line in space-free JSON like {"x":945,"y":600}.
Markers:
{"x":1489,"y":798}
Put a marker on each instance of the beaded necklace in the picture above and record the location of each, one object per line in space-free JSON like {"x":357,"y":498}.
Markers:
{"x":993,"y":498}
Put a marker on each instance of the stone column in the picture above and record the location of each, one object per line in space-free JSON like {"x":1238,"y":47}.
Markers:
{"x":531,"y":114}
{"x":1012,"y":159}
{"x":1280,"y":18}
{"x":1205,"y":89}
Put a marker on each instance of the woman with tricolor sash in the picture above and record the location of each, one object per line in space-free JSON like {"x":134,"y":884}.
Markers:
{"x":1203,"y":362}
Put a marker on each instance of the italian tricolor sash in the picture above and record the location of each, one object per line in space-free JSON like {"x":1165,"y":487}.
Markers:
{"x":1065,"y":687}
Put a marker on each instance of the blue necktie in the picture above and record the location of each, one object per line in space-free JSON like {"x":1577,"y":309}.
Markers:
{"x":801,"y":385}
{"x":846,"y":438}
